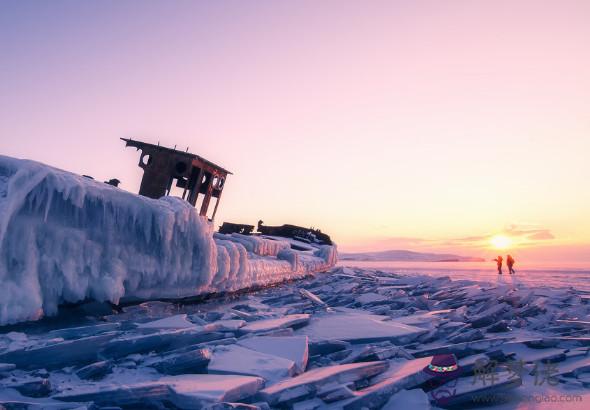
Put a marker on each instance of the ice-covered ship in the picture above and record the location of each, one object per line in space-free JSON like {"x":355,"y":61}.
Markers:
{"x":66,"y":238}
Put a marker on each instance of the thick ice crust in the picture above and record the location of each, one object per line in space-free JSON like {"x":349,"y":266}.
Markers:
{"x":66,"y":238}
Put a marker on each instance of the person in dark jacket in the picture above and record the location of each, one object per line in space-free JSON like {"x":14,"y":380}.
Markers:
{"x":510,"y":264}
{"x":499,"y":260}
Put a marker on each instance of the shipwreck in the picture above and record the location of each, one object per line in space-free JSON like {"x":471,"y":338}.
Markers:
{"x":66,"y":238}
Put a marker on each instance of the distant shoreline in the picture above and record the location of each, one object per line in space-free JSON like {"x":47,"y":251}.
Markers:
{"x":397,"y":255}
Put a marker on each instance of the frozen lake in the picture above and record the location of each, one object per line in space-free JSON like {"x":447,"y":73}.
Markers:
{"x":574,"y":275}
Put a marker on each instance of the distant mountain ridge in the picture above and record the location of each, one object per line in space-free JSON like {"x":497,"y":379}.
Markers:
{"x":406,"y":256}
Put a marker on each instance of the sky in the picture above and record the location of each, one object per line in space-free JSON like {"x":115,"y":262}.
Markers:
{"x":421,"y":125}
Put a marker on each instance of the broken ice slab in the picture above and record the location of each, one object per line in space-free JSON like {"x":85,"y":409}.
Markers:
{"x":324,"y":347}
{"x":331,"y":393}
{"x":414,"y":399}
{"x":400,"y":375}
{"x":172,"y":322}
{"x":580,"y":324}
{"x":311,"y":296}
{"x":184,"y":392}
{"x":307,"y":384}
{"x":129,"y":344}
{"x":358,"y":328}
{"x":489,"y":316}
{"x":84,"y":331}
{"x":230,"y":325}
{"x":294,"y":348}
{"x":6,"y":367}
{"x":194,"y":361}
{"x":267,"y":325}
{"x":464,"y":391}
{"x":37,"y":387}
{"x":236,"y":406}
{"x":498,"y":327}
{"x":462,"y":349}
{"x":236,"y":359}
{"x":530,"y":355}
{"x":573,"y":367}
{"x":466,"y":336}
{"x":12,"y":399}
{"x":58,"y":355}
{"x":95,"y":370}
{"x":370,"y":353}
{"x":532,"y":309}
{"x":427,"y":318}
{"x":371,"y":297}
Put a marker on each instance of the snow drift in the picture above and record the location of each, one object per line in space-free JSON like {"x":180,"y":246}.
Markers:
{"x":67,"y":238}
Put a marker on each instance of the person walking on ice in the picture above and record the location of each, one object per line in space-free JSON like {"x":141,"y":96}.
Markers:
{"x":499,"y":260}
{"x":510,"y":264}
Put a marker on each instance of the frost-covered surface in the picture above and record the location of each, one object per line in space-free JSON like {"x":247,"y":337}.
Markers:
{"x":66,"y":238}
{"x":278,"y":348}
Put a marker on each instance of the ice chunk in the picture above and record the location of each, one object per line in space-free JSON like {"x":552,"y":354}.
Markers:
{"x":463,"y":349}
{"x":95,"y":370}
{"x":293,"y":348}
{"x":489,"y":316}
{"x":125,"y":345}
{"x":414,"y":399}
{"x":574,"y":366}
{"x":84,"y":331}
{"x":191,"y":391}
{"x":314,"y":298}
{"x":58,"y":355}
{"x":172,"y":322}
{"x":235,"y":359}
{"x":193,"y":361}
{"x":530,"y":355}
{"x":267,"y":325}
{"x":370,"y":297}
{"x":185,"y":392}
{"x":498,"y":327}
{"x":6,"y":367}
{"x":324,"y":347}
{"x":465,"y":391}
{"x":423,"y":318}
{"x":358,"y":328}
{"x":400,"y":375}
{"x":307,"y":384}
{"x":36,"y":387}
{"x":331,"y":393}
{"x":225,"y":325}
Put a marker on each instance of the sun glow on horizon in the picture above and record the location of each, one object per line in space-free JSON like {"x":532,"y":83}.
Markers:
{"x":500,"y":241}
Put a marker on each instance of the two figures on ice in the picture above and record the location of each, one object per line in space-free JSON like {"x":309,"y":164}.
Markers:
{"x":509,"y":263}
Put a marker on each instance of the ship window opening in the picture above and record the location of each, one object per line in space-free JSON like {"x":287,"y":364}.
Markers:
{"x":177,"y":188}
{"x":146,"y":159}
{"x":212,"y":204}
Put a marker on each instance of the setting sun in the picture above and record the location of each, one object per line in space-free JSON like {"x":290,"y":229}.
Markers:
{"x":500,"y":241}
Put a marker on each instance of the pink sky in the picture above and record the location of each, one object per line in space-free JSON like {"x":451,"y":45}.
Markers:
{"x":411,"y":125}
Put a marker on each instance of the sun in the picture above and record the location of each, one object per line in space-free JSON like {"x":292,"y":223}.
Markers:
{"x":500,"y":241}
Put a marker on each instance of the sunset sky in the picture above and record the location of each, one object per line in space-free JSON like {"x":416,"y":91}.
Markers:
{"x":420,"y":125}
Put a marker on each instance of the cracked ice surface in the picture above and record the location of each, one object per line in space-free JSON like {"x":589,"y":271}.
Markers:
{"x":66,"y":238}
{"x":277,"y":348}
